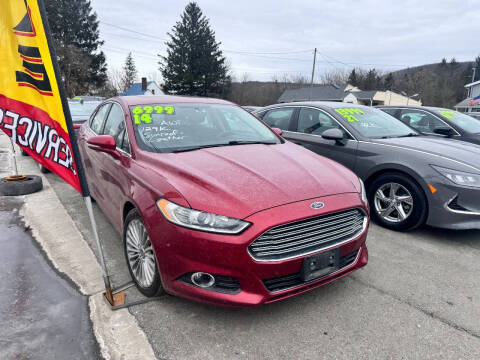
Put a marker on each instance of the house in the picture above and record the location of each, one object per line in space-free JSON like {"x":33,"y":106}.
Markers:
{"x":143,"y":88}
{"x":472,"y":102}
{"x":346,"y":93}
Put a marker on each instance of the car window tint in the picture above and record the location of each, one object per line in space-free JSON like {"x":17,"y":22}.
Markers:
{"x":115,"y":122}
{"x":123,"y":142}
{"x":97,"y":121}
{"x":279,"y":118}
{"x":315,"y":122}
{"x":421,"y":121}
{"x":389,"y":111}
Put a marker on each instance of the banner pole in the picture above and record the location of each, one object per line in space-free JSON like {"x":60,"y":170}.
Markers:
{"x":14,"y":155}
{"x":75,"y":150}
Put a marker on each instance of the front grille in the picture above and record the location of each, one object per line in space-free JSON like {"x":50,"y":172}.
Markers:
{"x":292,"y":280}
{"x":307,"y":236}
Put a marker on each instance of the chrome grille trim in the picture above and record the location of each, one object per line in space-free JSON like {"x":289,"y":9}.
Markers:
{"x":305,"y":237}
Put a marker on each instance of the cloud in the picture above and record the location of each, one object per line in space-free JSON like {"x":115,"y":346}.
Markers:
{"x":387,"y":35}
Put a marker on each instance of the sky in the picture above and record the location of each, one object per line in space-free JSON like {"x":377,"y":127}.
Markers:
{"x":262,"y":39}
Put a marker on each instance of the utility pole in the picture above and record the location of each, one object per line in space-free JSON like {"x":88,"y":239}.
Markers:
{"x":313,"y":74}
{"x":313,"y":68}
{"x":473,"y":80}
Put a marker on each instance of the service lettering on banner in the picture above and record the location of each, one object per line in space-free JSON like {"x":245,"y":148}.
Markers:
{"x":31,"y":110}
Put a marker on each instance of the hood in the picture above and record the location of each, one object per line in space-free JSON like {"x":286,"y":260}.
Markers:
{"x":464,"y":152}
{"x":240,"y":180}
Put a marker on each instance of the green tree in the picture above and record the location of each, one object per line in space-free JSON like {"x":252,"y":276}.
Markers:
{"x":353,"y":78}
{"x":476,"y":65}
{"x":129,"y":72}
{"x":76,"y":39}
{"x":389,"y":82}
{"x":194,"y":64}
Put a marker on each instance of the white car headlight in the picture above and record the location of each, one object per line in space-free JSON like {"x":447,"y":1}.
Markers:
{"x":459,"y":177}
{"x":364,"y":192}
{"x":200,"y":220}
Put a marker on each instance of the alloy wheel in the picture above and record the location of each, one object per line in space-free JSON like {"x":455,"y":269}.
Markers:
{"x":140,"y":253}
{"x":393,"y":202}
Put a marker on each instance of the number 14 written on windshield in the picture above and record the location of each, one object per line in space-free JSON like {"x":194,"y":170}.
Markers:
{"x":142,"y":113}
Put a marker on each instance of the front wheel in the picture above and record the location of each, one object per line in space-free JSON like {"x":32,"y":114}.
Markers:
{"x":397,"y":202}
{"x":140,"y":256}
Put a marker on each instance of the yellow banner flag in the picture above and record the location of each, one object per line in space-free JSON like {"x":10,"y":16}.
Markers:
{"x":32,"y":104}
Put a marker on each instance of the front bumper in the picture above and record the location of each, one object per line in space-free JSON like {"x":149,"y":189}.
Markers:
{"x":453,"y":206}
{"x":181,"y":251}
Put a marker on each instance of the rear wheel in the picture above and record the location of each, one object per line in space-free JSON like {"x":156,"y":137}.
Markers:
{"x":397,"y":202}
{"x":140,"y":256}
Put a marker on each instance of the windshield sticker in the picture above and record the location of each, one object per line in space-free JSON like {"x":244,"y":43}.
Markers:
{"x":449,"y":114}
{"x":141,"y":113}
{"x":349,"y":113}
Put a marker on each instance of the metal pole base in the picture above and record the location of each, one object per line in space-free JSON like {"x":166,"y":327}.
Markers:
{"x":116,"y":297}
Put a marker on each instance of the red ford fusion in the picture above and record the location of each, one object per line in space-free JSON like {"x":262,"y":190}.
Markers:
{"x":216,"y":206}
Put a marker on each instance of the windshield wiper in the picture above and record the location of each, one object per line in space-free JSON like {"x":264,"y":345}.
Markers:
{"x":244,"y":142}
{"x":409,"y":135}
{"x":233,"y":142}
{"x":398,"y":136}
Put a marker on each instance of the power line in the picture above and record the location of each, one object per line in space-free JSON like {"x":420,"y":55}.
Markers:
{"x":132,"y":31}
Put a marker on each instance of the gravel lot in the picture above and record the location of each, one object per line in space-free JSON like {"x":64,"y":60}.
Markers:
{"x":419,"y":298}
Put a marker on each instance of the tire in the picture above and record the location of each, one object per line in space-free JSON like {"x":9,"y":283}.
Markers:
{"x":43,"y":169}
{"x":150,"y":284}
{"x":32,"y":184}
{"x":408,"y":209}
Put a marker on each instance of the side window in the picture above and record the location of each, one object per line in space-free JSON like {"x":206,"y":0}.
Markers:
{"x":115,"y":123}
{"x":389,"y":111}
{"x":123,"y":142}
{"x":315,"y":122}
{"x":421,"y":121}
{"x":97,"y":121}
{"x":279,"y":118}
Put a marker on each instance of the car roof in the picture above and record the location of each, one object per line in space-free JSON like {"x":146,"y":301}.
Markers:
{"x":167,"y":99}
{"x":321,"y":104}
{"x":431,"y":108}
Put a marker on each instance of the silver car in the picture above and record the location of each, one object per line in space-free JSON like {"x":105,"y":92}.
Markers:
{"x":411,"y":179}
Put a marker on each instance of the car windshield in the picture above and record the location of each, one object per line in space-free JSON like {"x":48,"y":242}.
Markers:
{"x":86,"y":108}
{"x":463,"y":121}
{"x":374,"y":123}
{"x":184,"y":127}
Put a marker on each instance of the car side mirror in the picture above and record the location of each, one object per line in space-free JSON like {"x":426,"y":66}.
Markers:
{"x":444,"y":130}
{"x":278,"y":131}
{"x":333,"y":134}
{"x":103,"y":143}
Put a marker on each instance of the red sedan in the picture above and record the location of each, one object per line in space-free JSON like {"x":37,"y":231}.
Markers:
{"x":216,"y":206}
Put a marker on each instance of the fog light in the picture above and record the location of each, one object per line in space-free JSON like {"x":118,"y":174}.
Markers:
{"x":203,"y":280}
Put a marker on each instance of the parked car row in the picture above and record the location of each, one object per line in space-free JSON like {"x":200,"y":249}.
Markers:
{"x":411,"y":178}
{"x":216,"y":206}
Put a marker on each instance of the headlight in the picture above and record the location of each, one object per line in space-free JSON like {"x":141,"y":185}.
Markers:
{"x":459,"y":177}
{"x":200,"y":220}
{"x":364,"y":192}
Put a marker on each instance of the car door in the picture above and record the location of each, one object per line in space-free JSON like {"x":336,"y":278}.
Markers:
{"x":310,"y":124}
{"x":91,"y":157}
{"x":114,"y":170}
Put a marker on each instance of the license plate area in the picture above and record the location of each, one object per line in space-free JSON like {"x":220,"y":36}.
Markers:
{"x":320,"y":265}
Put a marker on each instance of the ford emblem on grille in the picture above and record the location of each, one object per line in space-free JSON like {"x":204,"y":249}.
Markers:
{"x":317,"y":205}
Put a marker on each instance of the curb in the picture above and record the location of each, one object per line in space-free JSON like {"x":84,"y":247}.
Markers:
{"x":117,"y":332}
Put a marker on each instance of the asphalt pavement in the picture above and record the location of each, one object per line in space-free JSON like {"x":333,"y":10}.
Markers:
{"x":418,"y":298}
{"x":42,"y":315}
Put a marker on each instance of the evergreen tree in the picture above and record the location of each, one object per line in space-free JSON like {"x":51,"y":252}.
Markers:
{"x":129,"y":72}
{"x":353,"y":78}
{"x":75,"y":33}
{"x":194,"y":65}
{"x":476,"y":65}
{"x":371,"y":81}
{"x":389,"y":82}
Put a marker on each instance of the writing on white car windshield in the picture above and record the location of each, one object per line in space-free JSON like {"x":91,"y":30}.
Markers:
{"x":185,"y":127}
